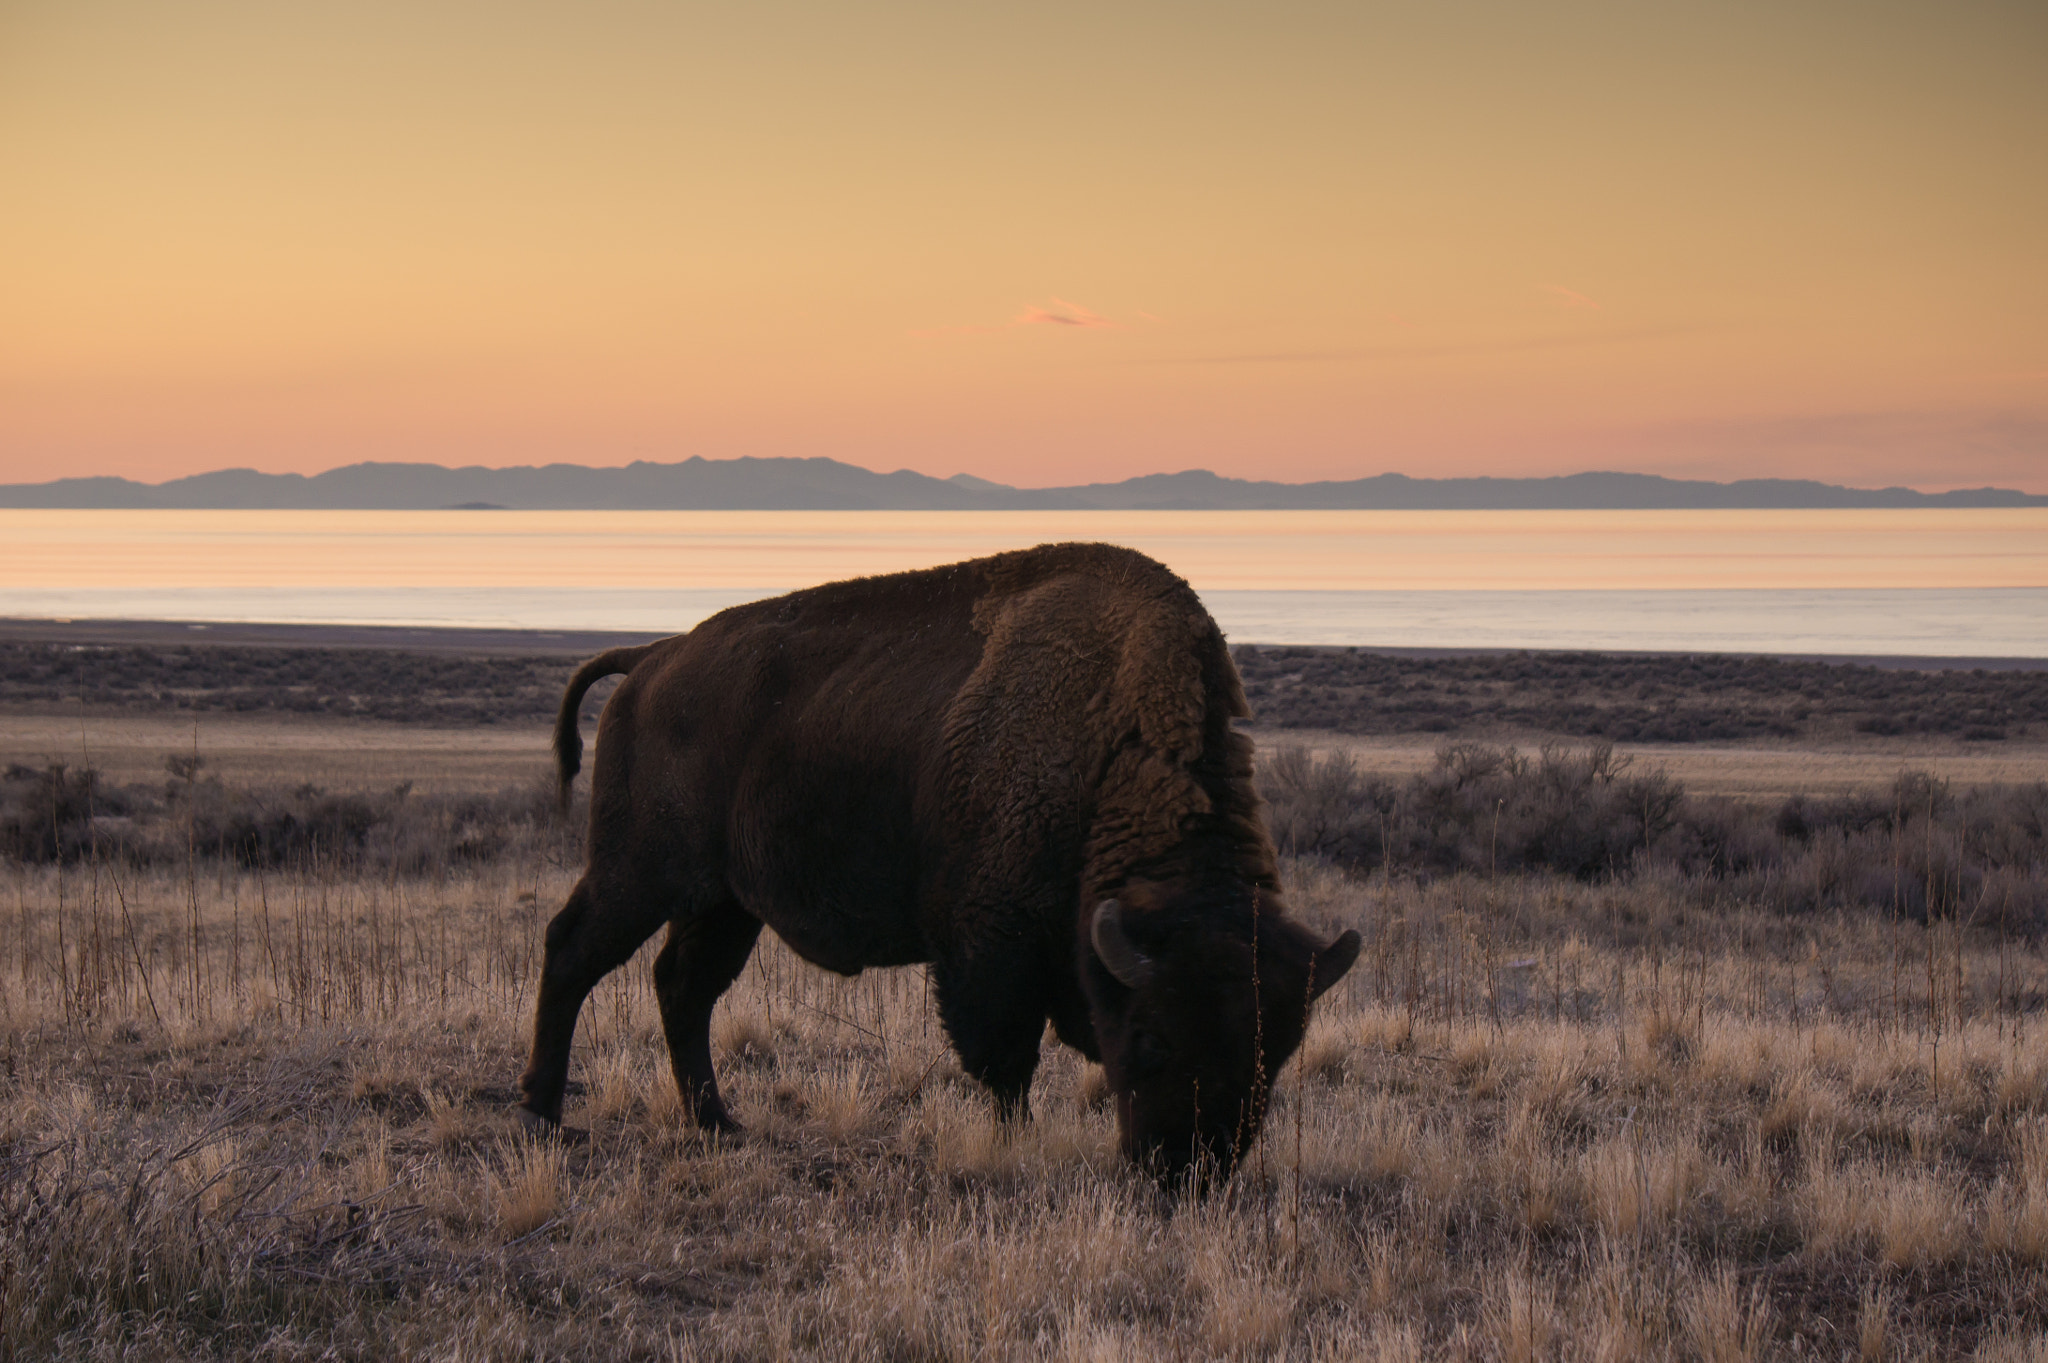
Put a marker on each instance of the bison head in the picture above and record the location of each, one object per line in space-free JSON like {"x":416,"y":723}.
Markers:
{"x":1197,"y":1005}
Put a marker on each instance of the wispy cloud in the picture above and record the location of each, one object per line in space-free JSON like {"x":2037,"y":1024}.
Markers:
{"x":1569,"y":298}
{"x":1062,"y":314}
{"x":1058,"y":312}
{"x":1426,"y":352}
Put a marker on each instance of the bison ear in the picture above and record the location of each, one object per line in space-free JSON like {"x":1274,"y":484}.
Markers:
{"x":1132,"y":967}
{"x":1332,"y":961}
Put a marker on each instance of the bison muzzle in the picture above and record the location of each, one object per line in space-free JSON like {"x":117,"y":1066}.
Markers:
{"x":1020,"y":769}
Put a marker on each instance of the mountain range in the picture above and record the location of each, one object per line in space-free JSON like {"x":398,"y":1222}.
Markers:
{"x":828,"y":485}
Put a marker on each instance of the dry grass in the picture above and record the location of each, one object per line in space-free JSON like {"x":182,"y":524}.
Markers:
{"x":248,"y":1116}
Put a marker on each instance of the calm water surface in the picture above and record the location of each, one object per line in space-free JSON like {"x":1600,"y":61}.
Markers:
{"x":1952,"y":583}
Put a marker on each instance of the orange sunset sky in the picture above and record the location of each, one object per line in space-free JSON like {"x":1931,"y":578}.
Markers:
{"x":1039,"y":243}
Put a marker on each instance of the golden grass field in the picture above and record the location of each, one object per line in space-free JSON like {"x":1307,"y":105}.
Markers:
{"x":251,"y":1115}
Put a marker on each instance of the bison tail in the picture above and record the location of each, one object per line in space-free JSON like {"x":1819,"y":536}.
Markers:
{"x":568,"y":741}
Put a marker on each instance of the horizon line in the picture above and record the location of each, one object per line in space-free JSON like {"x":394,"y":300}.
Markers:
{"x":965,"y":478}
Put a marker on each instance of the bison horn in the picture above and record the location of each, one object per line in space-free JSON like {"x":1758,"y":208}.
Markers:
{"x":1132,"y":967}
{"x":1331,"y":962}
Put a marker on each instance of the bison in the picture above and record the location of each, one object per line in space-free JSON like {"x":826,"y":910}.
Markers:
{"x":1020,"y":769}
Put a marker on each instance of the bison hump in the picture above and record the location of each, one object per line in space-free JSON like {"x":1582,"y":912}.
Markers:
{"x":1093,"y":689}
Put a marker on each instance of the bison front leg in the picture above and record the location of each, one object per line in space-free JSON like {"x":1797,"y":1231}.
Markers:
{"x":995,"y":1013}
{"x":700,"y":960}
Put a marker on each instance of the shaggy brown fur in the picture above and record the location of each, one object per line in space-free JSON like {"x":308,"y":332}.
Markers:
{"x":958,"y":766}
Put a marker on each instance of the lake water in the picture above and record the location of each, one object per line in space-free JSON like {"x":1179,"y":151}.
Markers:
{"x":1944,"y":583}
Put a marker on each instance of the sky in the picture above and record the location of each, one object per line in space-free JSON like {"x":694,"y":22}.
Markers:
{"x":1040,"y":244}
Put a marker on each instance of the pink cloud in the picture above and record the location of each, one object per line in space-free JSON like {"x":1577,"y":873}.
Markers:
{"x":1059,"y":312}
{"x":1063,"y":314}
{"x":1570,"y":298}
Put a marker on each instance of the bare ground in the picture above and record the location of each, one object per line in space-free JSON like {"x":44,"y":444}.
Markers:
{"x":346,"y":753}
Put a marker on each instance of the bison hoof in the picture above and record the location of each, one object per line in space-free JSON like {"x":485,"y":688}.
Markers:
{"x":541,"y":1129}
{"x":719,"y":1122}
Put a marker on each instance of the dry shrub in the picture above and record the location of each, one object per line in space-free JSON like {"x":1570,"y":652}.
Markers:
{"x":743,"y":1035}
{"x":1737,"y":1052}
{"x":1722,"y":1323}
{"x":1749,"y":1187}
{"x":1557,"y":1073}
{"x":2016,"y":1209}
{"x":1919,"y":1218}
{"x":1874,"y":1324}
{"x":963,"y":1283}
{"x":111,"y":1228}
{"x":1669,"y":1038}
{"x":1875,"y":1065}
{"x":2013,"y":1346}
{"x":1638,"y":1185}
{"x":451,"y":1123}
{"x":1538,"y":1182}
{"x":664,"y":1107}
{"x":1472,"y":1051}
{"x":371,"y":1173}
{"x":1379,"y":1027}
{"x":1393,"y":1341}
{"x":1092,"y":1090}
{"x":1829,"y":1199}
{"x":1246,"y":1308}
{"x":2022,"y":1080}
{"x":211,"y":1174}
{"x":381,"y":1081}
{"x":619,"y":1082}
{"x":1912,"y":1218}
{"x":1803,"y":1107}
{"x":910,"y":1070}
{"x":1083,"y":1339}
{"x":1385,"y":1277}
{"x":896,"y":1300}
{"x":1623,"y":1316}
{"x":530,"y":1191}
{"x":961,"y":1136}
{"x":1481,"y":809}
{"x":1520,"y":1318}
{"x":1246,"y":1317}
{"x":1324,"y":1051}
{"x":841,"y":1102}
{"x":1385,"y":1141}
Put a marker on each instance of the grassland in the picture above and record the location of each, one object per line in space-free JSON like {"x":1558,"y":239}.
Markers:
{"x":260,"y":1111}
{"x":265,"y":1116}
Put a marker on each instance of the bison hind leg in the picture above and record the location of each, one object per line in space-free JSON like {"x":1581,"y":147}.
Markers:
{"x":593,"y":935}
{"x":704,"y":954}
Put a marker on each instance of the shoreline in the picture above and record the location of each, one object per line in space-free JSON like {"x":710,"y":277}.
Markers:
{"x":485,"y":641}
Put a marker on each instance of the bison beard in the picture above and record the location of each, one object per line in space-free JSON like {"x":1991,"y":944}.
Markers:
{"x":1020,"y":769}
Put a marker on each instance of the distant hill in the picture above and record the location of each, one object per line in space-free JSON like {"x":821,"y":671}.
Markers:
{"x":829,"y":485}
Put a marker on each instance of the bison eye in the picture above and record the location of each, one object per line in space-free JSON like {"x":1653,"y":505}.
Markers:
{"x":1147,"y":1055}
